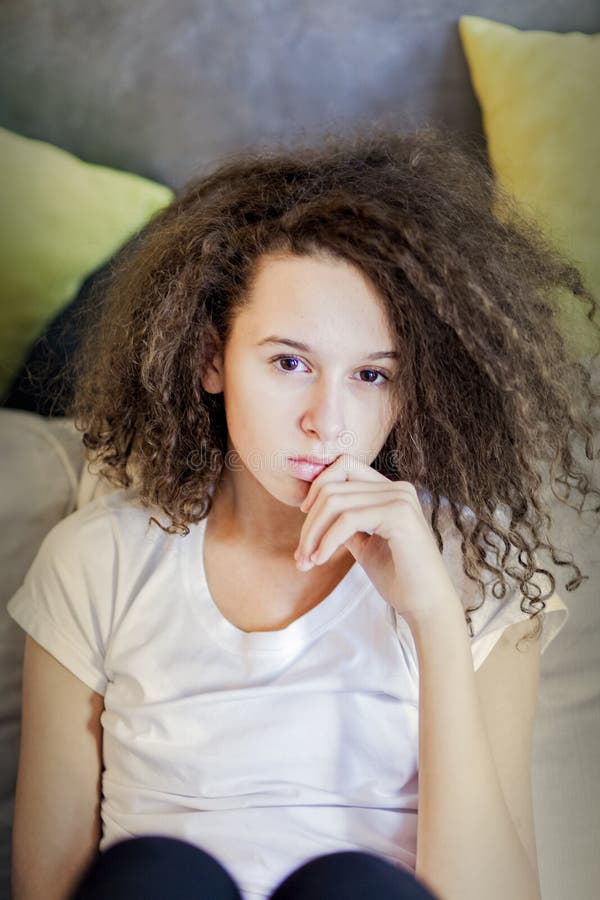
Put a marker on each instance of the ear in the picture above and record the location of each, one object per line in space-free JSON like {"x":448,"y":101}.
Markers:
{"x":212,"y":377}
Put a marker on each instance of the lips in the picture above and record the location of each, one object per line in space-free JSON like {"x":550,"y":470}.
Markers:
{"x":314,"y":460}
{"x":305,"y":469}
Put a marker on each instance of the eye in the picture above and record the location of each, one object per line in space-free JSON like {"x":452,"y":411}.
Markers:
{"x":295,"y":359}
{"x":286,"y":359}
{"x":375,"y":372}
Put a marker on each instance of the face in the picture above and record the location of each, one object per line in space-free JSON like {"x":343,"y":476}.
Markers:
{"x":282,"y":401}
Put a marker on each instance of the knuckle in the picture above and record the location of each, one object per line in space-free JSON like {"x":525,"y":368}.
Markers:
{"x":331,"y":496}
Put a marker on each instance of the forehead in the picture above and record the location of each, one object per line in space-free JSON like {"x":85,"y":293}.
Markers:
{"x":313,"y":295}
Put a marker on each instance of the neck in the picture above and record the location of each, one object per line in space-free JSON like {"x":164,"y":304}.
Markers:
{"x":243,"y":517}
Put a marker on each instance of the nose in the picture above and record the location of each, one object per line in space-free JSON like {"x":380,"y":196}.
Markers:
{"x":323,"y":414}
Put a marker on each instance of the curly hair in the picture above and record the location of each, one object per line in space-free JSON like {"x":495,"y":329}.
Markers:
{"x":489,"y":392}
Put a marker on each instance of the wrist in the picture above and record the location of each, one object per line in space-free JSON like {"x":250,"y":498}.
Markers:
{"x":441,"y":625}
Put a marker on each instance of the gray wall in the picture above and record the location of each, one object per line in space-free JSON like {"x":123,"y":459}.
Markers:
{"x":163,"y":87}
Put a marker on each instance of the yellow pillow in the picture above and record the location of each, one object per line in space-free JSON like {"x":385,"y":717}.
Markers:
{"x":539,"y":94}
{"x":61,"y":219}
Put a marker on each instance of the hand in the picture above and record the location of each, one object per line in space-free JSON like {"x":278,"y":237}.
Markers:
{"x":381,"y":523}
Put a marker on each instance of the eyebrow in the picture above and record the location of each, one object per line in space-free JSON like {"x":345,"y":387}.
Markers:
{"x":276,"y":339}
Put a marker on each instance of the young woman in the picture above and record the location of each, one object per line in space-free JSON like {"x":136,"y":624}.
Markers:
{"x":283,"y":653}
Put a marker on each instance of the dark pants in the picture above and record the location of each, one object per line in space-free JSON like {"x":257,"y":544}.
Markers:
{"x":164,"y":868}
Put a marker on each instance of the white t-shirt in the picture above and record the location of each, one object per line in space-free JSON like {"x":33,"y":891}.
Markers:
{"x":266,"y":748}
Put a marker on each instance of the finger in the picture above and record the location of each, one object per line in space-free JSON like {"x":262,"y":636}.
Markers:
{"x":370,"y":520}
{"x":348,"y":488}
{"x":321,"y":486}
{"x":328,"y":507}
{"x":344,"y":468}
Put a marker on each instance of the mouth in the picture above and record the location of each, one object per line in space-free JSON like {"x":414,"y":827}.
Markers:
{"x":306,"y":469}
{"x":314,"y":460}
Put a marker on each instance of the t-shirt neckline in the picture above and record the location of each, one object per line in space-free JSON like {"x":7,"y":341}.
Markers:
{"x":338,"y":603}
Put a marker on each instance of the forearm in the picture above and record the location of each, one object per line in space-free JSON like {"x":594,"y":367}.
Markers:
{"x":467,"y":844}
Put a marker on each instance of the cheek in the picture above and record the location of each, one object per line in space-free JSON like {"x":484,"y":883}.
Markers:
{"x":258,"y":419}
{"x":380,"y":428}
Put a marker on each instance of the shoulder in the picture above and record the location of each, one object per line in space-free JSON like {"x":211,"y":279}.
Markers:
{"x":109,"y":518}
{"x":494,"y":618}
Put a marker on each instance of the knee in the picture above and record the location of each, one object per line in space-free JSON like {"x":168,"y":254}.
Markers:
{"x":155,"y":866}
{"x":352,"y":874}
{"x":331,"y":873}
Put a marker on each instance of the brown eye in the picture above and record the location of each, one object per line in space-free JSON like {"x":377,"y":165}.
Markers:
{"x":286,"y":359}
{"x":375,"y":373}
{"x":295,"y":360}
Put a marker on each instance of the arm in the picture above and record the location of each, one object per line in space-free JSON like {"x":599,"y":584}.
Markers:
{"x":469,"y":842}
{"x":507,"y":684}
{"x":56,"y":827}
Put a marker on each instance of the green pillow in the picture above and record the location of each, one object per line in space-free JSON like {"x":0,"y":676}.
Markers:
{"x":539,"y":94}
{"x":61,"y":220}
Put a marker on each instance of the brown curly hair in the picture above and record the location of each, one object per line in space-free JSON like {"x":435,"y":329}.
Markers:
{"x":489,"y":392}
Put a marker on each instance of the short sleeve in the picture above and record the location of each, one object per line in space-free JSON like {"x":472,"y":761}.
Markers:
{"x":494,"y":615}
{"x":66,"y":600}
